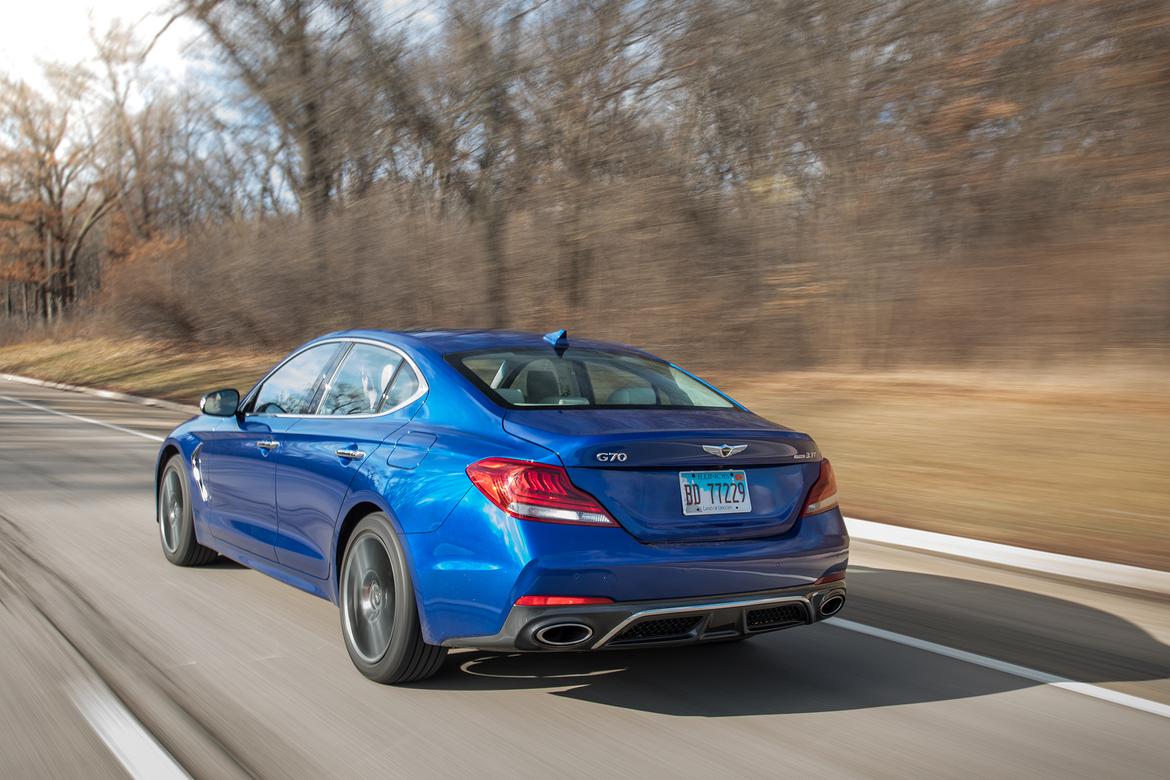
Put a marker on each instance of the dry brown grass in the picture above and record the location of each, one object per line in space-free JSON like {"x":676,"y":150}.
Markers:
{"x":175,"y":372}
{"x":1056,"y":462}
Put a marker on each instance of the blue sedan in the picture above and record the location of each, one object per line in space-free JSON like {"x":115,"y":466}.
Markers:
{"x":506,"y":491}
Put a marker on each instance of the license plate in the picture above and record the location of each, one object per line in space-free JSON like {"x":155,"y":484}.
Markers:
{"x":714,"y":492}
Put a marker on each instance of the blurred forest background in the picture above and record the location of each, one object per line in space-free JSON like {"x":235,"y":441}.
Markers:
{"x":807,"y":183}
{"x":933,"y":233}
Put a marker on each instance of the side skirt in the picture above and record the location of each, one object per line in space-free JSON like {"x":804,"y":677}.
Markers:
{"x":318,"y":588}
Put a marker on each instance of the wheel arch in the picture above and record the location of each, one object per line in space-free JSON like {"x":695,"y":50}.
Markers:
{"x":362,"y":508}
{"x":168,"y":451}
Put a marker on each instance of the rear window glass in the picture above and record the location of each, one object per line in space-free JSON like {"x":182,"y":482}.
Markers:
{"x":584,"y":378}
{"x":360,"y":384}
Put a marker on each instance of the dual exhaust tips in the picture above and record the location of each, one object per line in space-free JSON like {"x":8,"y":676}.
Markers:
{"x":571,"y":633}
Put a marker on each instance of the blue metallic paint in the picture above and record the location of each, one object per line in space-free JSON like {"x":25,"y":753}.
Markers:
{"x":470,"y":561}
{"x":243,"y":479}
{"x":312,"y":481}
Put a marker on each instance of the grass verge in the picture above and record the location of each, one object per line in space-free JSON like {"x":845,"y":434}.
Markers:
{"x":1055,"y":462}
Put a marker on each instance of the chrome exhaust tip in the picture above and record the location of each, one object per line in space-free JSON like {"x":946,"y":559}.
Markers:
{"x":563,"y":634}
{"x":831,"y":604}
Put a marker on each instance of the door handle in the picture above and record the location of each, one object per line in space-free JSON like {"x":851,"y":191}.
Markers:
{"x":351,"y":454}
{"x":268,"y":444}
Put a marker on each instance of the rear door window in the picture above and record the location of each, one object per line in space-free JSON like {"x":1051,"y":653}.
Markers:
{"x":362,"y":381}
{"x":402,"y":388}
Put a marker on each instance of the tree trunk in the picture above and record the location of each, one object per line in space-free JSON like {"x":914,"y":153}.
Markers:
{"x":497,"y":304}
{"x":313,"y":141}
{"x":580,"y":259}
{"x":316,"y":194}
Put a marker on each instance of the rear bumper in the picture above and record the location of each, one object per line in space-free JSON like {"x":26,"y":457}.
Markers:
{"x":470,"y":571}
{"x":659,"y":623}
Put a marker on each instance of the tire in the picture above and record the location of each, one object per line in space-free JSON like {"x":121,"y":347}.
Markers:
{"x":176,"y":518}
{"x":379,"y":615}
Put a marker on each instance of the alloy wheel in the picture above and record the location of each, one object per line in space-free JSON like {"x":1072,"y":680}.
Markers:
{"x":368,"y":598}
{"x":170,"y":519}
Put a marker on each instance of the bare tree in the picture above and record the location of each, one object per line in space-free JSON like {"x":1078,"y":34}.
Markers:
{"x":285,"y":52}
{"x":864,"y":178}
{"x":53,"y":186}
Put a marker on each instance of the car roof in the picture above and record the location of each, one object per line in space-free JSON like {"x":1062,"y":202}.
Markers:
{"x":447,"y":341}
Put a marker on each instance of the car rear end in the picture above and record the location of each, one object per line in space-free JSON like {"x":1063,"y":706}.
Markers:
{"x":647,"y":522}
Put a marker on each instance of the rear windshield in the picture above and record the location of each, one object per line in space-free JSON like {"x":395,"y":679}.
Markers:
{"x":584,"y":378}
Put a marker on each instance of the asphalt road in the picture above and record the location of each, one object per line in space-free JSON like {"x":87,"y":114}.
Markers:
{"x":110,"y":657}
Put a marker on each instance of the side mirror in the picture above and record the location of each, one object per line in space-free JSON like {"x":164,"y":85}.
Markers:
{"x":221,"y":403}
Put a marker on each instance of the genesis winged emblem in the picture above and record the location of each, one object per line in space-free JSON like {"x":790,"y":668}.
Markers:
{"x":724,"y":450}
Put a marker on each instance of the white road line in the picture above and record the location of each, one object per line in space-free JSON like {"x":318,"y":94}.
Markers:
{"x":135,"y":748}
{"x":1007,"y":555}
{"x":110,"y":394}
{"x":1035,"y":675}
{"x":89,"y":420}
{"x":1085,"y":689}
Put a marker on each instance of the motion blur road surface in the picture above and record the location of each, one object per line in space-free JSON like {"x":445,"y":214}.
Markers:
{"x":234,"y":674}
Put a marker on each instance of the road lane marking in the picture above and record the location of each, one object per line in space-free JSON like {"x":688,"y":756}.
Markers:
{"x":79,"y":418}
{"x":1007,"y":555}
{"x":1035,"y":675}
{"x":108,"y":394}
{"x":135,"y":748}
{"x":1085,"y":689}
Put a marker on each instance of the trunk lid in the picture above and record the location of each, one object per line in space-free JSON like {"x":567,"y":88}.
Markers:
{"x":631,"y":459}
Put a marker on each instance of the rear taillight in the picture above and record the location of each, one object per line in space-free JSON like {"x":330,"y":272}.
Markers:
{"x":823,"y":495}
{"x":535,"y":491}
{"x":560,"y":601}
